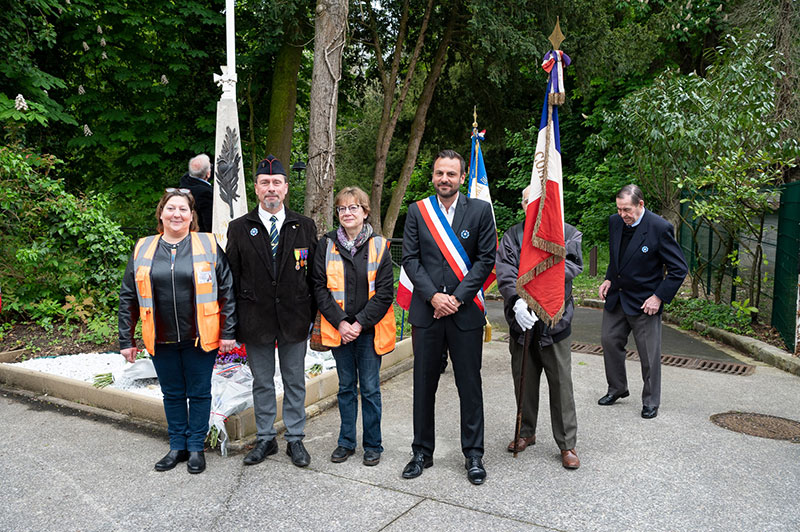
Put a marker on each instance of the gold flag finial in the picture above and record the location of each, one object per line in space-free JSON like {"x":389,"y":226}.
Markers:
{"x":475,"y":117}
{"x":556,"y":38}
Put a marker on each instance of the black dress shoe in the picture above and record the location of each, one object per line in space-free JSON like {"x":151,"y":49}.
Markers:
{"x":371,"y":457}
{"x":418,"y":462}
{"x":297,"y":452}
{"x":649,"y":412}
{"x":609,"y":398}
{"x":197,"y":462}
{"x":171,"y":459}
{"x":475,"y":470}
{"x":340,"y":454}
{"x":262,"y":449}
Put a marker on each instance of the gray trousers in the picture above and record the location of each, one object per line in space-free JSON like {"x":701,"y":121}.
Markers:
{"x":647,"y":335}
{"x":556,"y":361}
{"x":261,"y":359}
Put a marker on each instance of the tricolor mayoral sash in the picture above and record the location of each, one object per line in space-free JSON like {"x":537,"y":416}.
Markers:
{"x":447,"y":241}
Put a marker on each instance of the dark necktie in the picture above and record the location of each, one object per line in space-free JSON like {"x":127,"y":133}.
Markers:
{"x":273,"y":235}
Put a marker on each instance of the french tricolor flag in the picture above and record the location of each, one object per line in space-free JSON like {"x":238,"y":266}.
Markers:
{"x":541,"y":269}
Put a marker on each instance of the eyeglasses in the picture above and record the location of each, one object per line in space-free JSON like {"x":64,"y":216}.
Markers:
{"x":352,"y":208}
{"x":184,"y":191}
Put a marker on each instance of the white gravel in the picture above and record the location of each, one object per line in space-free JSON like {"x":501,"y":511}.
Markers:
{"x":84,"y":367}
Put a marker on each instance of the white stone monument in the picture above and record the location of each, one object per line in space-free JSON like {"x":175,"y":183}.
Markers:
{"x":230,"y":199}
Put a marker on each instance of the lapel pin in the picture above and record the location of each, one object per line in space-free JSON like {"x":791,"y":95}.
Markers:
{"x":254,"y":231}
{"x":465,"y":234}
{"x":645,"y":249}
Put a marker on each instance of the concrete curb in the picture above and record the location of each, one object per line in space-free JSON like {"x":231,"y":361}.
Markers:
{"x":754,"y":348}
{"x":140,"y":410}
{"x":751,"y":347}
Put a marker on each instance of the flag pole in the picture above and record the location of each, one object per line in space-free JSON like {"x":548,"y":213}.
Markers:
{"x":526,"y":345}
{"x":556,"y":38}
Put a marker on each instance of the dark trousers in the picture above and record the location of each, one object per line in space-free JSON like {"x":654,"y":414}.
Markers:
{"x":647,"y":334}
{"x":184,"y":372}
{"x":359,"y":368}
{"x":466,"y":349}
{"x":556,"y":361}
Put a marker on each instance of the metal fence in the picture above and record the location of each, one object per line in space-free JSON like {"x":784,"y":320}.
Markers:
{"x":779,"y":270}
{"x":787,"y":265}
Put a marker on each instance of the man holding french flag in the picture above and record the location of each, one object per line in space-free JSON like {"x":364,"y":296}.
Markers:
{"x":449,"y":245}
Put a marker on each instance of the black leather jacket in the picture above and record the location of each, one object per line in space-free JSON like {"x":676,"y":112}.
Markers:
{"x":173,"y":297}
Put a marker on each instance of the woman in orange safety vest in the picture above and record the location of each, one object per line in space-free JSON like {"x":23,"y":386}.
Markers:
{"x":354,"y":288}
{"x":179,"y":284}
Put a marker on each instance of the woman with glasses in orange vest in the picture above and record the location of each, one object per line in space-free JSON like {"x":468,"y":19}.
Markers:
{"x":354,"y":288}
{"x":179,"y":283}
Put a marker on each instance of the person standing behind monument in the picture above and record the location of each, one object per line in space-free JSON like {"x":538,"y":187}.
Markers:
{"x":449,"y":245}
{"x":550,"y":347}
{"x":270,"y":251}
{"x":197,"y":181}
{"x":635,"y":290}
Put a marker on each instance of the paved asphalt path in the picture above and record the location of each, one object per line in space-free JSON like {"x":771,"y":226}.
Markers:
{"x":68,"y":471}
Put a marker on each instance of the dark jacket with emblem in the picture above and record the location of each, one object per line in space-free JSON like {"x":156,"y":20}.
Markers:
{"x":639,"y":273}
{"x":430,"y":272}
{"x":508,"y":271}
{"x":272,"y":300}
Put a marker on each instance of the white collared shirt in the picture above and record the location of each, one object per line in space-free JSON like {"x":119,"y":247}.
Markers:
{"x":265,"y":216}
{"x":449,"y":213}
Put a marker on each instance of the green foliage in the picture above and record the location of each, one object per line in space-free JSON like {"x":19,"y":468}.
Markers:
{"x":27,"y":34}
{"x":688,"y":311}
{"x":743,"y":309}
{"x":61,"y":254}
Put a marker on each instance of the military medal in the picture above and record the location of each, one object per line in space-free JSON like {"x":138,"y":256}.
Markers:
{"x":297,"y":259}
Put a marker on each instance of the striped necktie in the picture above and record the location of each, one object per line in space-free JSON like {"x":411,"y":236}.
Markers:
{"x":273,"y":235}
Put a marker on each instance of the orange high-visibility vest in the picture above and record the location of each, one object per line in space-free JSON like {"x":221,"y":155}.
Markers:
{"x":385,"y":329}
{"x":204,"y":261}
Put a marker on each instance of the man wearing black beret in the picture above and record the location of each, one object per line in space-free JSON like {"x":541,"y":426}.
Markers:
{"x":269,"y":250}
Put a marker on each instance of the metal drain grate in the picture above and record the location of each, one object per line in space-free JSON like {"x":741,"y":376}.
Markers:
{"x":717,"y":366}
{"x":761,"y":425}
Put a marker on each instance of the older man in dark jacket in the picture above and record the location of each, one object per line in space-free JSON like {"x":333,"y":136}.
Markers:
{"x":549,"y":349}
{"x":269,"y":250}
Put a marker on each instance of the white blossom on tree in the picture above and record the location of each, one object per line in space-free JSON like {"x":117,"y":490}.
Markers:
{"x":20,"y":104}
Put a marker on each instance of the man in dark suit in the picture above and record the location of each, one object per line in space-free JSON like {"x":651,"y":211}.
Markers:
{"x":197,"y":181}
{"x":269,"y":250}
{"x":642,"y":244}
{"x":443,"y":312}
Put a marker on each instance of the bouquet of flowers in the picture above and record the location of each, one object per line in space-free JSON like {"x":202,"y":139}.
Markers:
{"x":141,"y":369}
{"x":231,"y":393}
{"x":238,"y":355}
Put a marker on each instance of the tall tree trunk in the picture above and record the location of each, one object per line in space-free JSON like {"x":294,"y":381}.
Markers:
{"x":786,"y":106}
{"x":391,"y":108}
{"x":283,"y":101}
{"x":329,"y":40}
{"x":417,"y":129}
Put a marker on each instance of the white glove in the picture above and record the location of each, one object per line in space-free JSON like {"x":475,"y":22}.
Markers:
{"x":525,"y":318}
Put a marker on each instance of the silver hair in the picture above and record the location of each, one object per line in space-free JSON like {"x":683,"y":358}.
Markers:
{"x":633,"y":191}
{"x":199,"y":166}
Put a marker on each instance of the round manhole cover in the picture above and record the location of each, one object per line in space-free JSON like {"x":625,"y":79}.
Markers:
{"x":761,"y":425}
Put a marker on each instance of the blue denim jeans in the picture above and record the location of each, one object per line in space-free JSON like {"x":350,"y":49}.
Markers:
{"x":357,"y":364}
{"x":184,"y":372}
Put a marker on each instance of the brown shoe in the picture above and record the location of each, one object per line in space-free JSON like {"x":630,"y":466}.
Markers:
{"x":569,"y":459}
{"x":522,"y":443}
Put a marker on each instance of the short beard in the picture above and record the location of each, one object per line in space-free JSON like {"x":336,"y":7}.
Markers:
{"x":453,"y":192}
{"x":271,"y":204}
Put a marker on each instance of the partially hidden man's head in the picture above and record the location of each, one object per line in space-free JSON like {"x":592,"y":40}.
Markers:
{"x":200,"y":166}
{"x":271,"y":184}
{"x":630,"y":203}
{"x":449,"y":172}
